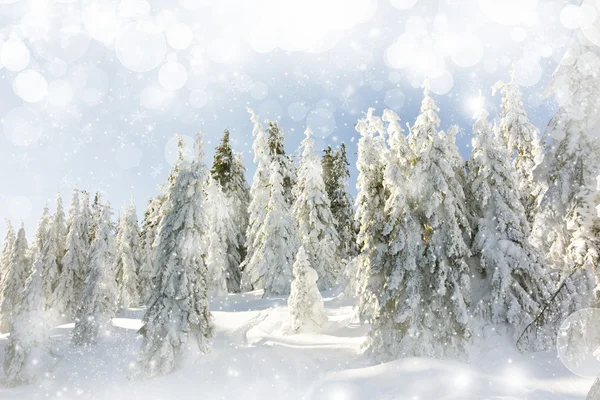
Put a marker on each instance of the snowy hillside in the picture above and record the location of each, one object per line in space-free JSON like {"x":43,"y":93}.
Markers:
{"x":252,"y":358}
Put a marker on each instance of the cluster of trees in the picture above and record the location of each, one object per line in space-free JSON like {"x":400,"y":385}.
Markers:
{"x":509,"y":238}
{"x":435,"y":247}
{"x":206,"y":233}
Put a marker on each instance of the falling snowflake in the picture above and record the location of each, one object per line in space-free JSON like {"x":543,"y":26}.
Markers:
{"x":156,"y":170}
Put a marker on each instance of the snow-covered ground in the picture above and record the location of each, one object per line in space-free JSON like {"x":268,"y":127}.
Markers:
{"x":253,"y":358}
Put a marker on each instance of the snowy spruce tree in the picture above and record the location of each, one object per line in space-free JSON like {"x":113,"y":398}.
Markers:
{"x":41,"y":234}
{"x":99,"y":298}
{"x":65,"y":297}
{"x":370,"y":212}
{"x":305,"y":303}
{"x":522,"y":140}
{"x":566,"y":227}
{"x":313,"y":215}
{"x":436,"y":187}
{"x":178,"y":322}
{"x":148,"y":235}
{"x":257,"y":212}
{"x":28,"y":340}
{"x":397,"y":324}
{"x":335,"y":176}
{"x":87,"y":219}
{"x":16,"y":273}
{"x":515,"y":285}
{"x":221,"y":236}
{"x":278,"y":244}
{"x":127,"y":258}
{"x":7,"y":244}
{"x":286,"y":164}
{"x":229,"y":170}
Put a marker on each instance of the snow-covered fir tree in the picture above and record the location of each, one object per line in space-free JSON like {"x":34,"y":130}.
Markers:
{"x":274,"y":257}
{"x":305,"y":303}
{"x":313,"y":215}
{"x":87,"y":218}
{"x":16,"y":273}
{"x":48,"y":260}
{"x":178,"y":322}
{"x":522,"y":139}
{"x":148,"y":235}
{"x":99,"y":298}
{"x":28,"y":338}
{"x":566,"y":228}
{"x":277,"y":152}
{"x":221,"y":236}
{"x":397,"y":323}
{"x":228,"y":170}
{"x":370,"y":211}
{"x":436,"y":186}
{"x":335,"y":176}
{"x":41,"y":234}
{"x":127,"y":258}
{"x":65,"y":297}
{"x":9,"y":239}
{"x":514,"y":284}
{"x":257,"y":212}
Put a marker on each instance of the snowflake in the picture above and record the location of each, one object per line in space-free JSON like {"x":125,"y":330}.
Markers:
{"x":122,"y":139}
{"x":156,"y":170}
{"x":138,"y":116}
{"x":148,"y":139}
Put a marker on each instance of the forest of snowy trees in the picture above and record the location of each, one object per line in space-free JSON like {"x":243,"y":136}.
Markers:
{"x":434,"y":248}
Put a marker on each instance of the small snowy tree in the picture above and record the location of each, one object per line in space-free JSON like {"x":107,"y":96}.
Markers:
{"x":98,"y":303}
{"x":307,"y":313}
{"x":87,"y":219}
{"x":522,"y":139}
{"x":28,"y":338}
{"x":257,"y":212}
{"x":313,"y":215}
{"x":9,"y":239}
{"x":221,"y":234}
{"x":11,"y":292}
{"x":178,"y":321}
{"x":127,"y":258}
{"x":65,"y":297}
{"x":516,"y":284}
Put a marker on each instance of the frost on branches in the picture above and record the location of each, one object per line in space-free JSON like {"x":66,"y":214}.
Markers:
{"x":127,"y":258}
{"x":522,"y":139}
{"x":222,"y":235}
{"x":27,"y":342}
{"x":313,"y":215}
{"x":370,"y":215}
{"x":566,"y":227}
{"x":514,"y":284}
{"x":16,"y":273}
{"x":99,"y":299}
{"x":257,"y":212}
{"x":178,"y":322}
{"x":307,"y":313}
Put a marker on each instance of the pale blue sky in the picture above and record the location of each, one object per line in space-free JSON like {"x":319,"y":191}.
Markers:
{"x":102,"y":124}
